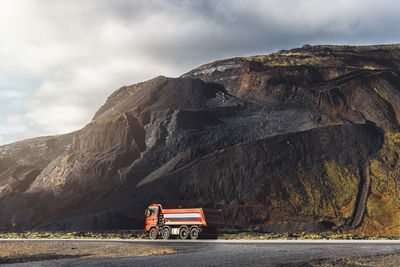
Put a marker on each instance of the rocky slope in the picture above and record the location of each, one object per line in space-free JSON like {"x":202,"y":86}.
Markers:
{"x":300,"y":140}
{"x":22,"y":162}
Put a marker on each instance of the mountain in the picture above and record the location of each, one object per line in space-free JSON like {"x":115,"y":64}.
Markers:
{"x":306,"y":139}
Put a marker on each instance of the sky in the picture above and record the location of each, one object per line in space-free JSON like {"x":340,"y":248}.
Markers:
{"x":61,"y":59}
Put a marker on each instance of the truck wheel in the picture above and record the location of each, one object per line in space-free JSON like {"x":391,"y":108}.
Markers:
{"x":153,"y":233}
{"x":194,"y":233}
{"x":166,"y":233}
{"x":183,"y":233}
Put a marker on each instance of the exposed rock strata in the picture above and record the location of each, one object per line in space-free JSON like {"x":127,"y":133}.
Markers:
{"x":300,"y":140}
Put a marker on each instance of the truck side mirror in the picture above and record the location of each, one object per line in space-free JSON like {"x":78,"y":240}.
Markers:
{"x":145,"y":212}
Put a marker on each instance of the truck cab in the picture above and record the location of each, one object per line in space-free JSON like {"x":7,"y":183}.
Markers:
{"x":152,"y":216}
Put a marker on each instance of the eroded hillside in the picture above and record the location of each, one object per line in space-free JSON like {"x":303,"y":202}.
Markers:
{"x":300,"y":140}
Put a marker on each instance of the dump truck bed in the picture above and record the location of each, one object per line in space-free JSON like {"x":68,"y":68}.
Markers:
{"x":198,"y":216}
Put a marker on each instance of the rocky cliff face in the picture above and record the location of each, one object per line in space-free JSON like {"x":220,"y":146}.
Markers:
{"x":22,"y":162}
{"x":300,"y":140}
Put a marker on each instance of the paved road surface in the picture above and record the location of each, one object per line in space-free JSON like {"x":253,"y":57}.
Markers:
{"x":237,"y":253}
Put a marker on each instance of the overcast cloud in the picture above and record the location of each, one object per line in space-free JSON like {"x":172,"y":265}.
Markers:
{"x":59,"y":60}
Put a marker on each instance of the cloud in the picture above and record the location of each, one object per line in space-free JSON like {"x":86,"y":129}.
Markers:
{"x":73,"y":54}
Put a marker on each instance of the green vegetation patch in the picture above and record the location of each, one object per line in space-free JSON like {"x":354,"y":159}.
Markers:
{"x":303,"y":236}
{"x":223,"y":236}
{"x":72,"y":235}
{"x":291,"y":59}
{"x":383,"y":204}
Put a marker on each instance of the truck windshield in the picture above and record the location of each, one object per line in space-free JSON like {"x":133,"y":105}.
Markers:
{"x":151,"y":211}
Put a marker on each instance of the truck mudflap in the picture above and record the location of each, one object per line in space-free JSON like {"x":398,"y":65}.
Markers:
{"x":209,"y":233}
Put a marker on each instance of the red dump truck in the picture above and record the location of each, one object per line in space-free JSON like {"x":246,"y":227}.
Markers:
{"x":182,"y":222}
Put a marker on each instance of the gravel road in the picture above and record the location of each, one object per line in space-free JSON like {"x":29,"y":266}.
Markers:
{"x":236,"y":253}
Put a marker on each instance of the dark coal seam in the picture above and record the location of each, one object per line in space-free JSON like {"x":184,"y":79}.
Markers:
{"x":362,"y":196}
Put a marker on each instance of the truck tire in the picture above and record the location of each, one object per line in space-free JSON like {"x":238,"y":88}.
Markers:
{"x":194,"y":233}
{"x":183,"y":233}
{"x":153,"y":233}
{"x":166,"y":233}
